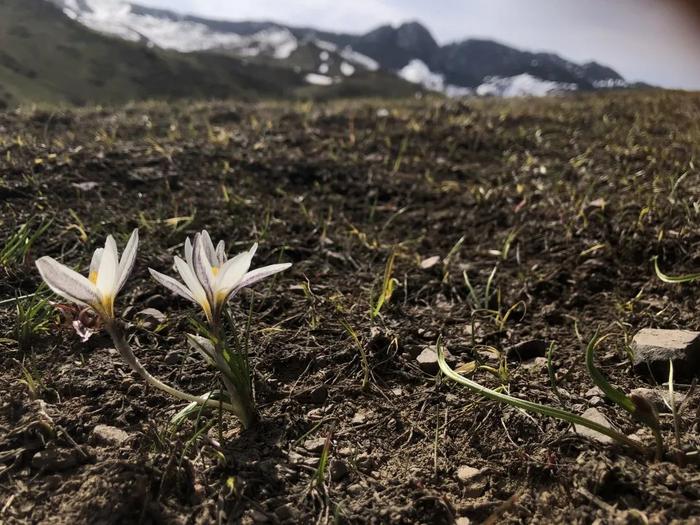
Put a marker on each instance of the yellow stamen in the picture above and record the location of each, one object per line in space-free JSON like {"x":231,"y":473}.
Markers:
{"x":93,"y":277}
{"x":215,"y":270}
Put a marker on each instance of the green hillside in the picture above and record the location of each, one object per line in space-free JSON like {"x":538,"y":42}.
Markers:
{"x":45,"y":56}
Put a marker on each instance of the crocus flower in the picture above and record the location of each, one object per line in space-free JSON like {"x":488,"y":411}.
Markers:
{"x":107,"y":276}
{"x":210,"y":279}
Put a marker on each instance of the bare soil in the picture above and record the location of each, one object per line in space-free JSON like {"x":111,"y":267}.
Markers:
{"x":567,"y":198}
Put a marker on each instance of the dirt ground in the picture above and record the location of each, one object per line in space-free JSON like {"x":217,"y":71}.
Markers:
{"x":567,"y":198}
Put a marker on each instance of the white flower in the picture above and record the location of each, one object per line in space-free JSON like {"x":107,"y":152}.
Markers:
{"x":107,"y":276}
{"x":210,"y":279}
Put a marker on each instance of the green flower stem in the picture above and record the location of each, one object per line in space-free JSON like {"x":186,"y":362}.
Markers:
{"x":116,"y":332}
{"x":237,"y":385}
{"x":537,"y":408}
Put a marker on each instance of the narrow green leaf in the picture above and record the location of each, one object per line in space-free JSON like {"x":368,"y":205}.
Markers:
{"x":671,"y":278}
{"x":535,"y":407}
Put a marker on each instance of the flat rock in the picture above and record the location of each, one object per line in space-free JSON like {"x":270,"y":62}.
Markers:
{"x":108,"y":435}
{"x":596,"y":416}
{"x":315,"y":444}
{"x":653,"y":348}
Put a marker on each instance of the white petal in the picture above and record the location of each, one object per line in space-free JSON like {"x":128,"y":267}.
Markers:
{"x":198,"y":293}
{"x":253,"y":249}
{"x":259,"y":274}
{"x":221,"y":253}
{"x":126,"y":263}
{"x":232,"y":271}
{"x":68,"y":283}
{"x":209,"y":249}
{"x":172,"y":285}
{"x":109,"y":264}
{"x":188,"y":251}
{"x":202,"y":267}
{"x":95,"y":263}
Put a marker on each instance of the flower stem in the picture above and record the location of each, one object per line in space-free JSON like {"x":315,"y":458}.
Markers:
{"x":116,"y":332}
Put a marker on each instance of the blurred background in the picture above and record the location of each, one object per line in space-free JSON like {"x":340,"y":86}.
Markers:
{"x":112,"y":51}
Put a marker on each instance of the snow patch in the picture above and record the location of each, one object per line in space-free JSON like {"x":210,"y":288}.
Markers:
{"x":417,"y":72}
{"x":115,"y":17}
{"x":521,"y":86}
{"x":347,"y":69}
{"x":610,"y":83}
{"x":280,"y":41}
{"x":324,"y":55}
{"x":359,"y":59}
{"x":318,"y":80}
{"x":325,"y":45}
{"x":323,"y":68}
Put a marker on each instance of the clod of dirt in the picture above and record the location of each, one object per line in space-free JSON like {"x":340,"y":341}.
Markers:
{"x":174,"y":357}
{"x":465,"y":473}
{"x":287,"y":512}
{"x":527,"y":350}
{"x":339,"y":469}
{"x":596,"y":416}
{"x":659,"y":399}
{"x":56,"y":460}
{"x":313,"y":396}
{"x":108,"y":435}
{"x":653,"y":348}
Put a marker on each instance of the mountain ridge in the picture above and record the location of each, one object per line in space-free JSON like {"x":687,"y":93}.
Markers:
{"x":107,"y":51}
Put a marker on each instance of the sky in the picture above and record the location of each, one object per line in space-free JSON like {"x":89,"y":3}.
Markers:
{"x":655,"y":41}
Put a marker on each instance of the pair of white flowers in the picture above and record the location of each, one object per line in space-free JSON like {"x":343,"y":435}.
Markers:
{"x":210,"y":278}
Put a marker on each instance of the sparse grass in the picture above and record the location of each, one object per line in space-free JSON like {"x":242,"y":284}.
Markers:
{"x":568,"y":199}
{"x":19,"y":244}
{"x":33,"y":319}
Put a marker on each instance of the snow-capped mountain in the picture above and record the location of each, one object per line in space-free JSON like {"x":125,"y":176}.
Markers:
{"x":480,"y":67}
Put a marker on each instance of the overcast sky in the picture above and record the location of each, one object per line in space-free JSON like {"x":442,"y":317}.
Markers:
{"x":651,"y":40}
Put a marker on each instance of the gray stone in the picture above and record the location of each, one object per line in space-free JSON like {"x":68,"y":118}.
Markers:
{"x":108,"y":435}
{"x":653,"y":348}
{"x":597,"y":417}
{"x":427,"y":361}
